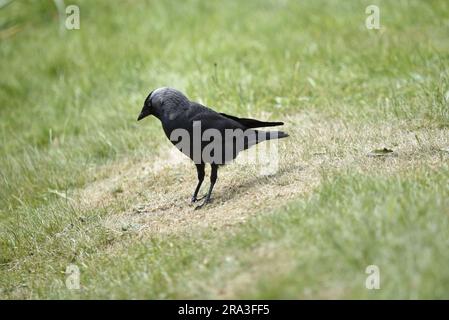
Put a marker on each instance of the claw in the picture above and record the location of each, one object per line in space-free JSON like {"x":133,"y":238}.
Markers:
{"x":203,"y":204}
{"x":195,"y":199}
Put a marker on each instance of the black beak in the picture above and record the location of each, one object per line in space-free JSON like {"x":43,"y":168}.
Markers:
{"x":144,"y":113}
{"x":141,"y":116}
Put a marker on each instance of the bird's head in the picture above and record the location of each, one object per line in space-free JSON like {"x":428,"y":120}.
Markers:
{"x":147,"y":107}
{"x":159,"y":100}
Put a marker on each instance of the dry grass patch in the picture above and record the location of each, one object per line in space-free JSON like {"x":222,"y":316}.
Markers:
{"x":156,"y":192}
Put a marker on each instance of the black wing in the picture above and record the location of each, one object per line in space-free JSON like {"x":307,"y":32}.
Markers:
{"x":252,"y":123}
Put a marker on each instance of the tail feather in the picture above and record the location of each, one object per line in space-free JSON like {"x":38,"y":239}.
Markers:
{"x":252,"y":123}
{"x":261,"y":136}
{"x":279,"y":135}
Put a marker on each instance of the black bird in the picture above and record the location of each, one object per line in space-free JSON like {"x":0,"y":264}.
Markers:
{"x":203,"y":134}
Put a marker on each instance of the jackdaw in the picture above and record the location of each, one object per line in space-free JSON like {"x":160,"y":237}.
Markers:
{"x":203,"y":134}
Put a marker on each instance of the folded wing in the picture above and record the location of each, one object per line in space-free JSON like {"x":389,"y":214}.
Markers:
{"x":252,"y":123}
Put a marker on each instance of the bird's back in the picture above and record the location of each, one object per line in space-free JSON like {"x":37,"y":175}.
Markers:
{"x":205,"y":135}
{"x":210,"y":119}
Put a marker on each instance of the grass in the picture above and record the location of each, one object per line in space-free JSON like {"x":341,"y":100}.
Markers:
{"x":81,"y":182}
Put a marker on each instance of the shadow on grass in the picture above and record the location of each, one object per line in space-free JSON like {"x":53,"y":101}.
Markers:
{"x":235,"y":191}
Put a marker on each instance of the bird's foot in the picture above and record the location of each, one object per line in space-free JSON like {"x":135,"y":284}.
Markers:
{"x":195,"y":199}
{"x":206,"y":201}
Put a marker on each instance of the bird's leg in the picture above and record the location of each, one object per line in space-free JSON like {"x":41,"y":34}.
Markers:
{"x":200,"y":172}
{"x":213,"y":179}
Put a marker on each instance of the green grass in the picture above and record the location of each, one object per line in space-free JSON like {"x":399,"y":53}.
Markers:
{"x":68,"y":104}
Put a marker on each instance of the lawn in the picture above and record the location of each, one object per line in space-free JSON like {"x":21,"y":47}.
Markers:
{"x":83,"y":183}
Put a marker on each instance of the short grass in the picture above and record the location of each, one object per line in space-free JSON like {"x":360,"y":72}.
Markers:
{"x":81,"y":182}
